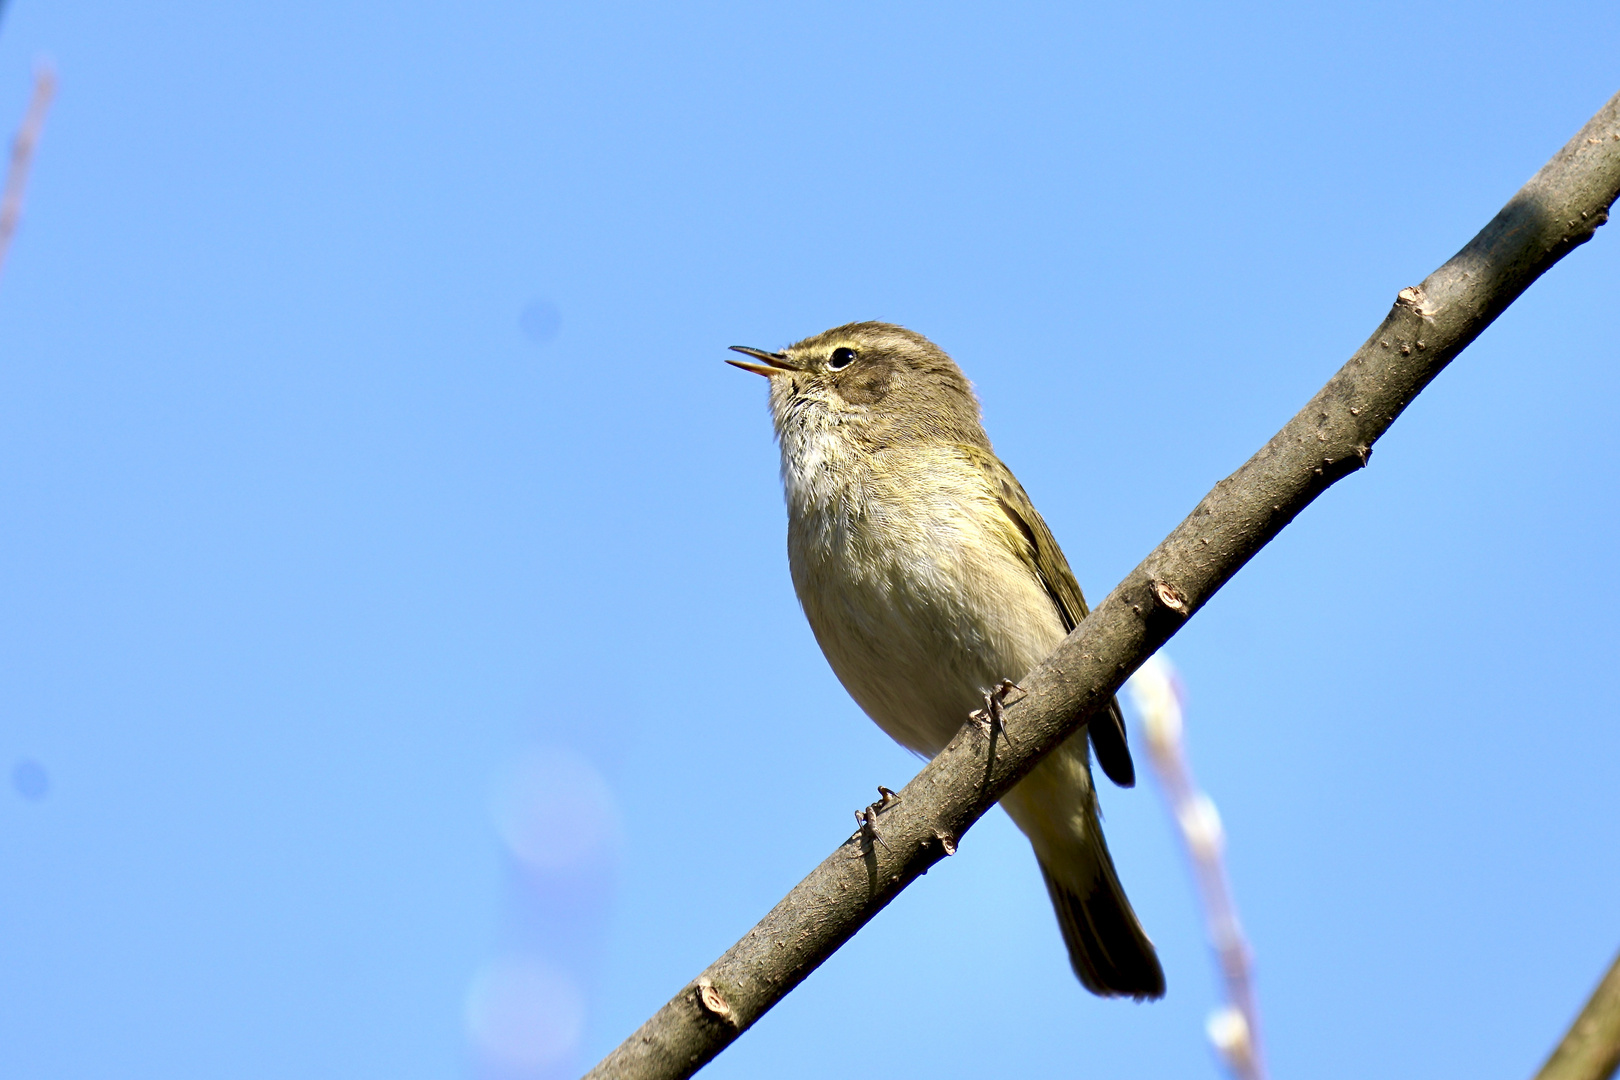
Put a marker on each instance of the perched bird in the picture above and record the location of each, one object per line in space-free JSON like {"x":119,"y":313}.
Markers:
{"x":928,"y":578}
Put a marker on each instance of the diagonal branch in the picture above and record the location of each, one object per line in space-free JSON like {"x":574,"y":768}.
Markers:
{"x":1329,"y":439}
{"x":1591,"y":1049}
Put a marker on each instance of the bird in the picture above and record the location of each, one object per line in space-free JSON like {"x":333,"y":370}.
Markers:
{"x":928,"y":577}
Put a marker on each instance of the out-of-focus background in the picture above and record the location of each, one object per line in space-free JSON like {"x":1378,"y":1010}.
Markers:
{"x":399,"y":671}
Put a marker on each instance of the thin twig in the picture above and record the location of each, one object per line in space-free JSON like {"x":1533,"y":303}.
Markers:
{"x":1591,"y":1048}
{"x":22,"y":156}
{"x":1328,"y":440}
{"x":1234,"y":1029}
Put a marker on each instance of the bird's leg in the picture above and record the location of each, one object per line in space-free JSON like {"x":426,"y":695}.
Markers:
{"x":868,"y":828}
{"x":990,"y":718}
{"x":868,"y":817}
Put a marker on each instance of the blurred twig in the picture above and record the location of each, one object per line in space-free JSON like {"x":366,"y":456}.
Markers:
{"x":1235,"y":1028}
{"x":1591,"y":1048}
{"x":1558,"y":210}
{"x":22,"y":156}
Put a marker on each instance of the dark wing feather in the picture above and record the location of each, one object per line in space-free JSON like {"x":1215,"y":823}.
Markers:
{"x":1107,"y":728}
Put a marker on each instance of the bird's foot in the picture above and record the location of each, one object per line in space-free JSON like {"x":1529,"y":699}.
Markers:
{"x":868,"y":818}
{"x":990,"y":718}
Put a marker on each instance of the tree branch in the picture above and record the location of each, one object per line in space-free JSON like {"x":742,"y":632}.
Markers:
{"x":1591,"y":1048}
{"x":1329,"y":439}
{"x":22,"y":156}
{"x":1234,"y":1028}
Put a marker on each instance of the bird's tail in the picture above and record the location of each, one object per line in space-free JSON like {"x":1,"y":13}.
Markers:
{"x":1055,"y":807}
{"x":1107,"y":947}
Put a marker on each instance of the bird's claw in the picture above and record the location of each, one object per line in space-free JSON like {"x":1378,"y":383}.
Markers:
{"x":867,"y":818}
{"x":990,"y":718}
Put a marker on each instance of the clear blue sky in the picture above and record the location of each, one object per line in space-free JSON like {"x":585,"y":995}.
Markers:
{"x":394,"y":612}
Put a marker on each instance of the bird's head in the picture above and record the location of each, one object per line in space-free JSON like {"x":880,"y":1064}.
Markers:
{"x":882,"y":384}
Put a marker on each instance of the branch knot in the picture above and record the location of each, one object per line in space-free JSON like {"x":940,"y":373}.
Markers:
{"x":714,"y":1003}
{"x":1166,"y":594}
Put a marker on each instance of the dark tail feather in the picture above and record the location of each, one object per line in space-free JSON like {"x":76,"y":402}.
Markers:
{"x":1107,"y":730}
{"x":1107,"y":947}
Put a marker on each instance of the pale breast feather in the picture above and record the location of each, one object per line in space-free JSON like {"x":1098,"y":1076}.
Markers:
{"x":907,"y":575}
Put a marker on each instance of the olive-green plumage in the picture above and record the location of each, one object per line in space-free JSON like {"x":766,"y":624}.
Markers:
{"x":928,"y":576}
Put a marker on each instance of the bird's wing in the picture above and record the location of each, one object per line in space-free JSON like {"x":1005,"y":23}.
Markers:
{"x":1045,"y":558}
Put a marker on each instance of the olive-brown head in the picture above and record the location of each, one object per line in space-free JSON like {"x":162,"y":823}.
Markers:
{"x":883,"y":384}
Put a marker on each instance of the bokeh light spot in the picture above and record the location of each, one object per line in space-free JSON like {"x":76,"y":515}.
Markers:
{"x":30,"y":779}
{"x":540,"y":321}
{"x":554,"y":811}
{"x":524,"y":1014}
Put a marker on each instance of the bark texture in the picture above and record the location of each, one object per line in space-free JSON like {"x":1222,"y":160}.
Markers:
{"x":1591,"y":1049}
{"x":1330,"y":438}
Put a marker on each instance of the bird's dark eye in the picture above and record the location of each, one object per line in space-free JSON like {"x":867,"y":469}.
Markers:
{"x":841,"y":358}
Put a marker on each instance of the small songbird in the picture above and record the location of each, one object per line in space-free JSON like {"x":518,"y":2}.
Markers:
{"x":928,"y":579}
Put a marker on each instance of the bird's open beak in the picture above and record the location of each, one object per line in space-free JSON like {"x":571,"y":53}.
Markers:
{"x":774,"y":363}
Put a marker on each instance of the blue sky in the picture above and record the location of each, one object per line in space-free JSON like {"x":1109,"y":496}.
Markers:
{"x":395,"y":609}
